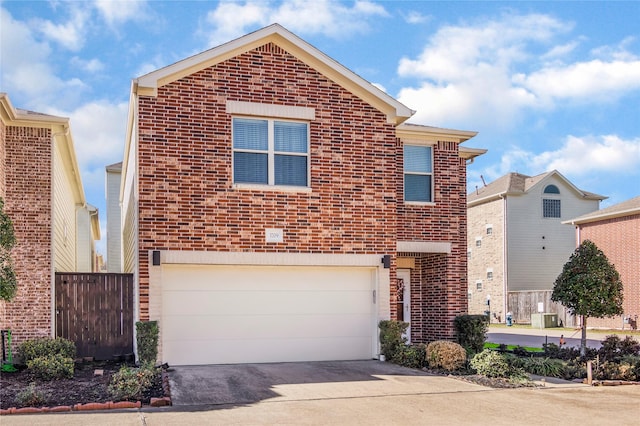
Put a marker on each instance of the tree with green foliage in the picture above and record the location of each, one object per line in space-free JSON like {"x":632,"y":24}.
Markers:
{"x":8,"y":281}
{"x":589,"y":286}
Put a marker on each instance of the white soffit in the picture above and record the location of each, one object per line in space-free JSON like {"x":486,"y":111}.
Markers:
{"x":424,"y":247}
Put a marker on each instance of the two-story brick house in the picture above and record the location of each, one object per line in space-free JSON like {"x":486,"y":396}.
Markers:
{"x":55,"y":228}
{"x":518,"y":244}
{"x":616,"y":231}
{"x":273,"y":201}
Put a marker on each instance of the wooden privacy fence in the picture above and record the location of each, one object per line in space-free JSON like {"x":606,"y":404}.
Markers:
{"x":524,"y":303}
{"x":96,"y":312}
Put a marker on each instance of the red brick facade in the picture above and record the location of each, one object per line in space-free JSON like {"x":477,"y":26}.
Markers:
{"x":187,"y":200}
{"x":619,"y":240}
{"x":28,"y":203}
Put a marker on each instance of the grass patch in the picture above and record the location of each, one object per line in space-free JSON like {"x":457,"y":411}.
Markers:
{"x":489,"y":345}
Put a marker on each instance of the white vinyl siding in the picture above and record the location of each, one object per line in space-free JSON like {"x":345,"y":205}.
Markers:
{"x":84,"y":241}
{"x":530,"y":266}
{"x":64,"y":216}
{"x":114,"y":223}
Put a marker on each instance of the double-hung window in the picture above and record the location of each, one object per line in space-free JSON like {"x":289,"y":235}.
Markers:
{"x":270,"y":152}
{"x":418,"y":173}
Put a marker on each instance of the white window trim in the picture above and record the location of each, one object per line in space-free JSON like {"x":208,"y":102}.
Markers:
{"x":489,"y":229}
{"x":271,"y":153}
{"x":432,"y":174}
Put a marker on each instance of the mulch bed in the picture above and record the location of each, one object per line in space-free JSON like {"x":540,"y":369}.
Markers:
{"x":85,"y":387}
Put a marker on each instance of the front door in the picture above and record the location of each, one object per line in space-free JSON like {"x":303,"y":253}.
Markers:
{"x":404,"y":299}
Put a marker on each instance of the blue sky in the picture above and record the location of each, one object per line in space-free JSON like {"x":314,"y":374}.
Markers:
{"x":548,"y":85}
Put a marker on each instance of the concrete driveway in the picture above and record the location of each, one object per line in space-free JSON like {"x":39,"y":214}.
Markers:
{"x":356,"y":393}
{"x":218,"y":385}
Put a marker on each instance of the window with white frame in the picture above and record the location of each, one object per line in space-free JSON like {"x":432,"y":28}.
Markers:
{"x":478,"y":285}
{"x":418,"y":173}
{"x":478,"y":241}
{"x":489,"y":228}
{"x":270,"y":152}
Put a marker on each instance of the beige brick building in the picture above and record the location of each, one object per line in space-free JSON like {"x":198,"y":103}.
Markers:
{"x":517,"y":243}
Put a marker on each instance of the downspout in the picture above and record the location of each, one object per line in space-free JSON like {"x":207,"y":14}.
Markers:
{"x":505,"y":274}
{"x":52,"y":230}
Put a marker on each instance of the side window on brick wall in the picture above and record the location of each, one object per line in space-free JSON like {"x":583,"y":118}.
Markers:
{"x":270,"y":152}
{"x":418,"y":173}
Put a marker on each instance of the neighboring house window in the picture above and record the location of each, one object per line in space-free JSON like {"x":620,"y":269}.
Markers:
{"x":550,"y":208}
{"x":468,"y":254}
{"x":478,"y":242}
{"x":551,"y":189}
{"x":469,"y":294}
{"x":270,"y":152}
{"x":478,"y":285}
{"x":489,"y":229}
{"x":489,"y":275}
{"x":418,"y":173}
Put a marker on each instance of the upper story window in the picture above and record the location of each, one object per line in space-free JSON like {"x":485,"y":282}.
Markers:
{"x":478,"y":241}
{"x":489,"y":229}
{"x":550,"y":208}
{"x":551,"y":189}
{"x":270,"y":152}
{"x":418,"y":173}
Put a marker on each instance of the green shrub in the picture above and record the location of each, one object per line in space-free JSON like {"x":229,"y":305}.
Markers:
{"x":627,"y":368}
{"x":44,"y":347}
{"x":392,"y":343}
{"x":542,"y":366}
{"x":447,"y":355}
{"x":129,"y":384}
{"x":51,"y":367}
{"x":147,"y":339}
{"x":30,"y":397}
{"x":613,"y":348}
{"x":471,"y":331}
{"x":411,"y":356}
{"x":494,"y":364}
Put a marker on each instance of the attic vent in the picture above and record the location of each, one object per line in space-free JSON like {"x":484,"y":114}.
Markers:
{"x":447,"y":146}
{"x":270,"y":48}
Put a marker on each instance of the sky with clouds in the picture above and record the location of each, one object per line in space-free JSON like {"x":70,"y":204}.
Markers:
{"x":548,"y":85}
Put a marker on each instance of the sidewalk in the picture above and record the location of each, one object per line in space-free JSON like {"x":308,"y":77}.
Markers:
{"x":568,"y":333}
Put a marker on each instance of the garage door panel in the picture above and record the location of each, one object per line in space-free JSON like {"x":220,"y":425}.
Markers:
{"x":261,"y":350}
{"x":248,"y":326}
{"x":292,"y":302}
{"x":234,"y":314}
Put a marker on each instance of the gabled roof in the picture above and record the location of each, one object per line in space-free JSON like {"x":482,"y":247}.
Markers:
{"x":60,"y":131}
{"x":396,"y":112}
{"x":409,"y":131}
{"x":626,"y":208}
{"x":514,"y":184}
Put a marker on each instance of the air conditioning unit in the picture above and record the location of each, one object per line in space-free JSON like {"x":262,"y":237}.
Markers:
{"x":544,"y":320}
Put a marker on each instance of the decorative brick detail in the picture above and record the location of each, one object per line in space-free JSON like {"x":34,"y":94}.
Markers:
{"x":28,"y":203}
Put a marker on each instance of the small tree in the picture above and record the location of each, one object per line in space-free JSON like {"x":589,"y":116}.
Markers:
{"x":589,"y":286}
{"x":8,"y":281}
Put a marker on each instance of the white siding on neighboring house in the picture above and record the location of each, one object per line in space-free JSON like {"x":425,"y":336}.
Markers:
{"x":539,"y":247}
{"x":64,"y":216}
{"x":129,"y":211}
{"x":84,"y":240}
{"x":114,"y":218}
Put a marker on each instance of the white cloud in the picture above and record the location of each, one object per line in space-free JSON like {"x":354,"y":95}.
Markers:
{"x":233,"y":19}
{"x":585,"y":155}
{"x":120,"y":11}
{"x":487,"y":74}
{"x":583,"y":80}
{"x":92,"y":65}
{"x":414,"y":17}
{"x":25,"y":65}
{"x":71,"y":34}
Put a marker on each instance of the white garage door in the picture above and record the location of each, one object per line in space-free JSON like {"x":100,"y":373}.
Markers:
{"x":240,"y":314}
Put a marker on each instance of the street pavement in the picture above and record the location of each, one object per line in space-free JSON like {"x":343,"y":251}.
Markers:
{"x":386,"y":395}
